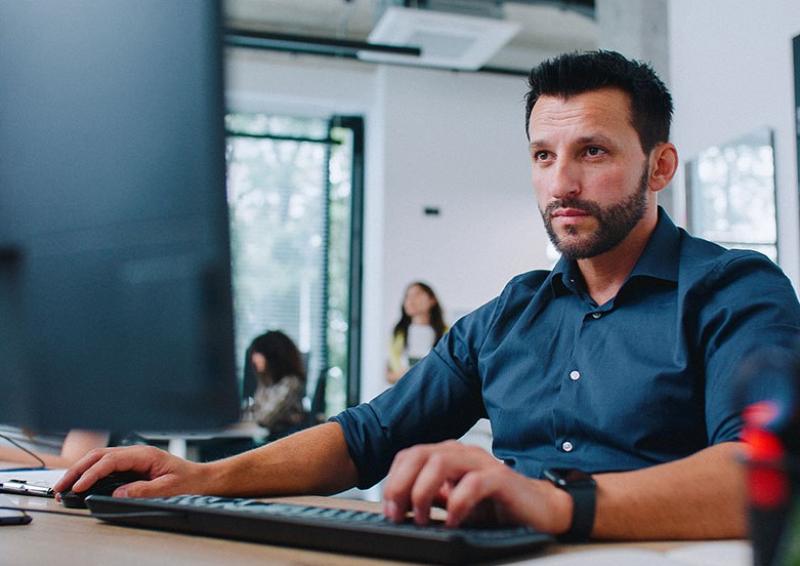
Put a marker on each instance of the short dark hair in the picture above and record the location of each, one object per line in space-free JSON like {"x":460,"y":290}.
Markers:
{"x":580,"y":72}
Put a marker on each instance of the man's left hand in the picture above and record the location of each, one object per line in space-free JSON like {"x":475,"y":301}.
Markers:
{"x":473,"y":486}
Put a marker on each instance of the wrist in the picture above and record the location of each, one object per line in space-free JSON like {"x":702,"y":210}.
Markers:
{"x":564,"y":507}
{"x":209,"y":477}
{"x":582,"y":490}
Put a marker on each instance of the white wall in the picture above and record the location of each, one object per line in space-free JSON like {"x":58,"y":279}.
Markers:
{"x":731,"y":72}
{"x":434,"y":138}
{"x":456,"y":142}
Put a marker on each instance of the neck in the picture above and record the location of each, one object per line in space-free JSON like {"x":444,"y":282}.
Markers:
{"x":604,"y":274}
{"x":423,"y":318}
{"x":265,"y":379}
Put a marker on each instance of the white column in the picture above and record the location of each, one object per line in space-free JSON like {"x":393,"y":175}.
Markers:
{"x":638,"y":29}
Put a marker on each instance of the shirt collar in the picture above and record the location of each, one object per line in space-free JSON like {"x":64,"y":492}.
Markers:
{"x":660,"y":256}
{"x":659,"y":259}
{"x":565,"y":277}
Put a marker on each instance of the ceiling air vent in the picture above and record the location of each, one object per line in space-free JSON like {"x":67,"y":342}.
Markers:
{"x":447,"y":40}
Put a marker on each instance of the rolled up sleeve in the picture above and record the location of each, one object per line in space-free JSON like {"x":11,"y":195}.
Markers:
{"x":753,"y":306}
{"x":438,"y":399}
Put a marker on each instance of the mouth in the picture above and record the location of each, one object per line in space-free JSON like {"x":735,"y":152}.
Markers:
{"x":568,"y":213}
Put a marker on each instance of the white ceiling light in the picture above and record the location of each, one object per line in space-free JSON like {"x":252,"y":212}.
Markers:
{"x":447,"y":40}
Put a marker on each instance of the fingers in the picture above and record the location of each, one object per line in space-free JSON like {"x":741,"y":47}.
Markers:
{"x":160,"y":487}
{"x":439,"y":469}
{"x":101,"y":462}
{"x":440,"y":500}
{"x":77,"y":469}
{"x":404,"y":470}
{"x":510,"y":498}
{"x":424,"y":474}
{"x":474,"y":488}
{"x":167,"y":474}
{"x":426,"y":485}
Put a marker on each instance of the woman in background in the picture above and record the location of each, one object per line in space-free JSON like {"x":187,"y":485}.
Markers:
{"x":420,"y":326}
{"x":278,"y":400}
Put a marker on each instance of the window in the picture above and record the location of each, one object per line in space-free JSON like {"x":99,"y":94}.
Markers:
{"x":731,"y":194}
{"x":294,"y":190}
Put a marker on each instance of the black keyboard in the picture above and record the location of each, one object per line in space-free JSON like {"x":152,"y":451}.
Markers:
{"x":321,"y":528}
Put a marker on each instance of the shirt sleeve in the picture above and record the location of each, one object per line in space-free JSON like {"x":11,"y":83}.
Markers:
{"x":437,"y":399}
{"x":396,"y":347}
{"x":752,"y":306}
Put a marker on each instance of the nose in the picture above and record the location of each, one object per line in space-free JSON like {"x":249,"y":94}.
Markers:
{"x":565,"y":181}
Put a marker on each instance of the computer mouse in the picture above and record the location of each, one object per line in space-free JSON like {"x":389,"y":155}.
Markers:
{"x":103,"y":486}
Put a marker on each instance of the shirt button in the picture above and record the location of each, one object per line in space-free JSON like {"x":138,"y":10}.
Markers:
{"x":567,"y":446}
{"x":574,"y":375}
{"x":596,"y":315}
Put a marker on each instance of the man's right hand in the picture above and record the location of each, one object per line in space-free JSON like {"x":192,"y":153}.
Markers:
{"x":314,"y":460}
{"x":168,"y":474}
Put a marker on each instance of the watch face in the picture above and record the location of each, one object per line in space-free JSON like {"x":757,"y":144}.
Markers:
{"x":567,"y":476}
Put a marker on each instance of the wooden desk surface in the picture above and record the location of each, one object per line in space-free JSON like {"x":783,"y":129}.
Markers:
{"x":73,"y":541}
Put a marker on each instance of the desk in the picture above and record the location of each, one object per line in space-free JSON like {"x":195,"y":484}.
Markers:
{"x":76,"y":541}
{"x":180,"y":443}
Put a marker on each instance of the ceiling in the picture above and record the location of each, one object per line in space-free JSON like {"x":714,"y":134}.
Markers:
{"x":547,"y":27}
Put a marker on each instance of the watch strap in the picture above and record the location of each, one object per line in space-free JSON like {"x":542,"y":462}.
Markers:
{"x":583,"y":490}
{"x":583,"y":509}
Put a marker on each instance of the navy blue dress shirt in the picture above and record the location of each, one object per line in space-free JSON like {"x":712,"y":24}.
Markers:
{"x":643,"y":379}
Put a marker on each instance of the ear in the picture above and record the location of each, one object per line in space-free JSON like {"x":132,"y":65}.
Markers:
{"x":663,"y":164}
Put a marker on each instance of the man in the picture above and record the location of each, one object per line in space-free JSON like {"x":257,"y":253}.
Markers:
{"x":619,"y":363}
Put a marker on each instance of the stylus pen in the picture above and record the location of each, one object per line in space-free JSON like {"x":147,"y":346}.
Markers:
{"x":25,"y":488}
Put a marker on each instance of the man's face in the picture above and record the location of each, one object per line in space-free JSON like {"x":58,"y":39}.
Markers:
{"x":589,"y":171}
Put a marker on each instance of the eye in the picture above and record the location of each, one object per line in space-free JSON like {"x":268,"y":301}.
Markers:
{"x":540,"y":155}
{"x":594,"y":151}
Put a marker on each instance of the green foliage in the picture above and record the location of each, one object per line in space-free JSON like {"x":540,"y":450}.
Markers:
{"x":276,"y":191}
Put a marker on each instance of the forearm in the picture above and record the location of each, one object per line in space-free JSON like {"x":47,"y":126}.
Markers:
{"x":315,"y":460}
{"x":699,"y":497}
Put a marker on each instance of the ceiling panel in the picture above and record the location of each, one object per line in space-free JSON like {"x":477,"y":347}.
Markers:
{"x":547,"y":26}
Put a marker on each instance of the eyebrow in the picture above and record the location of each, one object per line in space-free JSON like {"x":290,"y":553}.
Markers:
{"x":583,"y":140}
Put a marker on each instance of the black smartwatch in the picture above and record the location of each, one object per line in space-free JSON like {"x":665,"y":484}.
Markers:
{"x":582,"y":487}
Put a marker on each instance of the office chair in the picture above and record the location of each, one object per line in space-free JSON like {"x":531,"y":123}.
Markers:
{"x":249,"y":380}
{"x":316,"y":412}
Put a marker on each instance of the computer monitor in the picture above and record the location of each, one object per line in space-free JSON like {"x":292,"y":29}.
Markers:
{"x":115,"y":292}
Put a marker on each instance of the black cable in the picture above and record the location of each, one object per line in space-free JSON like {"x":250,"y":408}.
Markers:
{"x":33,"y":454}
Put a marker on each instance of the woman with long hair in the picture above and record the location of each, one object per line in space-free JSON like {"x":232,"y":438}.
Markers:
{"x":420,"y":326}
{"x":278,"y":366}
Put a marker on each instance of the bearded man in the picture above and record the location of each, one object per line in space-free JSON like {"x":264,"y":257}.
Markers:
{"x":607,"y":380}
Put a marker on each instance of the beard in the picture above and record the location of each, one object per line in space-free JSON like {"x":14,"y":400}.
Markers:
{"x":615,"y":222}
